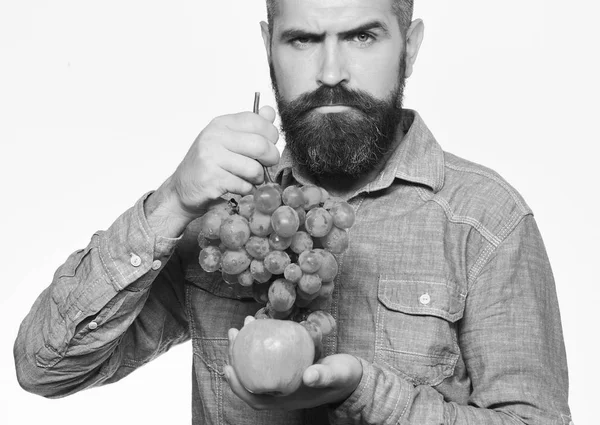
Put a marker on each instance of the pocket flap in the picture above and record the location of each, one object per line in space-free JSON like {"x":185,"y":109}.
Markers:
{"x":214,"y":283}
{"x":422,"y":297}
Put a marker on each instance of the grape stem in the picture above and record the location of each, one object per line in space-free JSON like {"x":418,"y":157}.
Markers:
{"x":255,"y":110}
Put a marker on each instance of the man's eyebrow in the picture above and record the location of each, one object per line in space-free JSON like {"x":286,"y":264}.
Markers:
{"x":293,"y":33}
{"x":371,"y":25}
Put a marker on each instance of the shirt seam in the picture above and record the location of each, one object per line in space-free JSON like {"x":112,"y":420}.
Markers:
{"x":485,"y":256}
{"x":494,"y":178}
{"x":493,"y":240}
{"x":456,"y":219}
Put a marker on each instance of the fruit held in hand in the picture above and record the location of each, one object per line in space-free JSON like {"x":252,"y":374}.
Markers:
{"x":269,"y":356}
{"x":291,"y":234}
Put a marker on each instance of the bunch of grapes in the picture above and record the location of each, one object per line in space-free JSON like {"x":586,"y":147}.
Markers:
{"x":282,"y":243}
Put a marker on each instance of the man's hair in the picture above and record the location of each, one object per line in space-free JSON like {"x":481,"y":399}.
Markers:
{"x":402,"y":8}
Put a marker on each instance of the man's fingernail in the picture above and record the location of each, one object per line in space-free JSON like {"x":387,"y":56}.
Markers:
{"x":311,"y":377}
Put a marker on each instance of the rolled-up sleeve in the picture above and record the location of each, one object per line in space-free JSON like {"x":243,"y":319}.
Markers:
{"x":111,"y":307}
{"x":511,"y":342}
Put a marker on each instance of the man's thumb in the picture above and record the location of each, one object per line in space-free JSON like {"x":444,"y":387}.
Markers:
{"x":318,"y":376}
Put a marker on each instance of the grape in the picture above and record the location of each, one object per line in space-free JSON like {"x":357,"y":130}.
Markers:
{"x":324,"y":320}
{"x":332,"y":201}
{"x":277,"y":261}
{"x":343,"y":215}
{"x":310,"y":261}
{"x":246,"y":206}
{"x":260,"y":292}
{"x":329,"y":268}
{"x":279,"y":315}
{"x":324,"y":195}
{"x":261,"y":314}
{"x":260,"y":224}
{"x":327,"y":289}
{"x":303,"y":299}
{"x":285,"y":221}
{"x":234,"y":232}
{"x":235,"y":261}
{"x":318,"y":222}
{"x":267,"y":198}
{"x":279,"y":243}
{"x":245,"y":278}
{"x":210,"y":259}
{"x":230,"y":279}
{"x":312,"y":196}
{"x":310,"y":284}
{"x":292,"y":196}
{"x":203,"y":242}
{"x":259,"y":272}
{"x":293,"y":273}
{"x":301,"y":216}
{"x":282,"y":294}
{"x":336,"y":240}
{"x":316,"y":334}
{"x":325,"y":294}
{"x":210,"y":224}
{"x":278,"y":187}
{"x":301,"y":242}
{"x":258,"y":247}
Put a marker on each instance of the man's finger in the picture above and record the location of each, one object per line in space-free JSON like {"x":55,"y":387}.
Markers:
{"x":249,"y":319}
{"x":258,"y":402}
{"x":268,"y":113}
{"x":319,"y":376}
{"x":231,"y":334}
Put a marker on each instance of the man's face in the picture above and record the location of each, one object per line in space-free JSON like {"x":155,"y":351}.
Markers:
{"x":338,"y":72}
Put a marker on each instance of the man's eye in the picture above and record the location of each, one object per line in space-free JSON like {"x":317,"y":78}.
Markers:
{"x":363,"y":37}
{"x":301,"y":41}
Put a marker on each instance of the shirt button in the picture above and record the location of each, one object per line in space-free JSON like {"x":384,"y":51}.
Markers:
{"x":156,"y":265}
{"x":425,"y":299}
{"x":135,"y":260}
{"x":92,"y":325}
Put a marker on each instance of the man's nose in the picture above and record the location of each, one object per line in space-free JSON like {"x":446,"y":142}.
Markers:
{"x":333,"y":66}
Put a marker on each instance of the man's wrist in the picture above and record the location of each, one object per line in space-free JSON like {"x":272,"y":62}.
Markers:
{"x":164,"y":214}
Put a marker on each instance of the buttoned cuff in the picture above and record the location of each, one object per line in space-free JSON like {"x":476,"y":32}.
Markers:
{"x":131,"y":253}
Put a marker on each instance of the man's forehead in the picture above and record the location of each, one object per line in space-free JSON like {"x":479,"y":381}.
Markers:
{"x":320,"y":13}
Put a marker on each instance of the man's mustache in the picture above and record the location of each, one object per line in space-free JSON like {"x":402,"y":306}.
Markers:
{"x":336,"y":95}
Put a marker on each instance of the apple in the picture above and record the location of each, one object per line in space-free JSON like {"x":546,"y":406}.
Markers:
{"x":269,"y":356}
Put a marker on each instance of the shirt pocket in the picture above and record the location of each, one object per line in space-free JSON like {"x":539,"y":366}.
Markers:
{"x":416,"y":328}
{"x":214,"y":307}
{"x":214,"y":284}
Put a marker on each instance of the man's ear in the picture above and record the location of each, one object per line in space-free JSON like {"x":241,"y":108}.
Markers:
{"x":414,"y":38}
{"x":266,"y":35}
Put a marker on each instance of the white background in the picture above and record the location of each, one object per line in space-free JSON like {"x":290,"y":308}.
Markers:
{"x":100,"y":100}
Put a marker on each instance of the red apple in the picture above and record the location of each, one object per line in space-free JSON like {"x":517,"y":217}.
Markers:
{"x":269,"y":356}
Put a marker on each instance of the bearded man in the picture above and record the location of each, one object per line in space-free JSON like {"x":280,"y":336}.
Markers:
{"x":445,"y":301}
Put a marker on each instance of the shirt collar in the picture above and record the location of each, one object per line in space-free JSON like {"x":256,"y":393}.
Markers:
{"x":417,"y":159}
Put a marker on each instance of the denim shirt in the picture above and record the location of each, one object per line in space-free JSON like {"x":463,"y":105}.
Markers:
{"x":445,"y":295}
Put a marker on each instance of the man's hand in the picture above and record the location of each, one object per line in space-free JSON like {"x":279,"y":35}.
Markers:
{"x":227,"y":156}
{"x":331,"y":380}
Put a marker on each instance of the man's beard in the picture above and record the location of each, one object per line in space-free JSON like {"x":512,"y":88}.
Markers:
{"x":345,"y":145}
